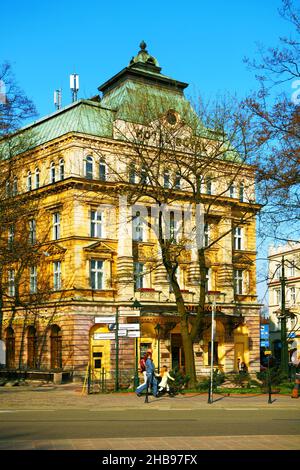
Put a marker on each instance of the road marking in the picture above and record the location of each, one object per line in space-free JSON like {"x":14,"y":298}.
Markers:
{"x":241,"y":409}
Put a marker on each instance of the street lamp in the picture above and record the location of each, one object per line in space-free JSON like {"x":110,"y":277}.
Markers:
{"x":213,"y":295}
{"x":136,"y":306}
{"x":158,"y":329}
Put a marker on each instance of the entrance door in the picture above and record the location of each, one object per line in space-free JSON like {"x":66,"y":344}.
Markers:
{"x":99,"y":353}
{"x":177,"y":351}
{"x":239,"y":354}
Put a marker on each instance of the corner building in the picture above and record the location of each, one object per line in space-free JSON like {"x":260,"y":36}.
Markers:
{"x":97,"y":267}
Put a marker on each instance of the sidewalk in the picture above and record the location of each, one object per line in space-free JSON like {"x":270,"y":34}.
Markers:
{"x":70,"y":396}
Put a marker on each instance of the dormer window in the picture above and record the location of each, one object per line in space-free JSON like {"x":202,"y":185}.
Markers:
{"x":61,"y":169}
{"x":52,"y":172}
{"x":89,"y":168}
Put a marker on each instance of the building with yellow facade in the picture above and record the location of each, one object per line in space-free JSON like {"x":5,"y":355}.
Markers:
{"x":94,"y":261}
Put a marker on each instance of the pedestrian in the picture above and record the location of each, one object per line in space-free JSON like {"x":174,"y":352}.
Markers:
{"x":151,"y":379}
{"x":143,"y":367}
{"x":243,"y":368}
{"x":165,"y":376}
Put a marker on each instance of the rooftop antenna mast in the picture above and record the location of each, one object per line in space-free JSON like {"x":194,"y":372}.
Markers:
{"x":57,"y":99}
{"x":74,"y":85}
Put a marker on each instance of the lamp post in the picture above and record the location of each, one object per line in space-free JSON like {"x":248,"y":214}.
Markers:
{"x":212,"y":294}
{"x":158,"y":330}
{"x":117,"y":350}
{"x":137,"y":306}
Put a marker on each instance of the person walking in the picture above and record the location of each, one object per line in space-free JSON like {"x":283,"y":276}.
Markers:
{"x":165,"y":376}
{"x":151,"y":379}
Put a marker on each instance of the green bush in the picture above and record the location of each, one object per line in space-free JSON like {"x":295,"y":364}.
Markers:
{"x":277,"y":377}
{"x":218,"y":378}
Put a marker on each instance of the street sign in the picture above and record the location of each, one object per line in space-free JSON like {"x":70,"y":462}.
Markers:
{"x":98,"y":336}
{"x":129,"y":326}
{"x":111,"y":319}
{"x":134,"y":334}
{"x":122,"y":332}
{"x":268,"y":353}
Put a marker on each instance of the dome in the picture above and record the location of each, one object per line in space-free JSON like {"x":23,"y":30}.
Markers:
{"x":143,"y":57}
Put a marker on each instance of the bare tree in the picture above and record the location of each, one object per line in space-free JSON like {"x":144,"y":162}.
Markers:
{"x":275,"y":113}
{"x":193,"y":159}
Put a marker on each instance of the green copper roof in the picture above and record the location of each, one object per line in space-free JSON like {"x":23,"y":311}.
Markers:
{"x":84,"y":116}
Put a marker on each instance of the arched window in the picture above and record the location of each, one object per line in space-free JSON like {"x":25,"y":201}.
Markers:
{"x":61,"y":169}
{"x":29,"y":181}
{"x":102,"y":171}
{"x":89,"y":170}
{"x":241,"y":195}
{"x":10,"y":348}
{"x":15,"y":186}
{"x":37,"y":178}
{"x":52,"y":172}
{"x":166,"y":179}
{"x":55,"y":347}
{"x":31,"y":347}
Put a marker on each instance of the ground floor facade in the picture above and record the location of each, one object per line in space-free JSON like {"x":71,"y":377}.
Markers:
{"x":84,"y":339}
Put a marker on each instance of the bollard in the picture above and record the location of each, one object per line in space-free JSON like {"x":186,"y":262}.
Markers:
{"x":147,"y":391}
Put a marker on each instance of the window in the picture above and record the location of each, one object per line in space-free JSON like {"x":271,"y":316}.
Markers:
{"x":144,"y":176}
{"x":207,"y":280}
{"x":232,"y":190}
{"x":291,"y":269}
{"x":33,"y":280}
{"x":96,"y":224}
{"x":238,"y":281}
{"x":138,"y":275}
{"x":89,"y":170}
{"x":208,"y":184}
{"x":96,"y":274}
{"x":29,"y":181}
{"x":52,"y":172}
{"x":32,"y":231}
{"x":15,"y":186}
{"x":206,"y":235}
{"x":177,"y":181}
{"x":56,"y":226}
{"x":166,"y":179}
{"x":293,"y":295}
{"x":57,"y":275}
{"x":11,"y":236}
{"x":241,"y":192}
{"x":137,"y":228}
{"x":102,"y":171}
{"x":132,"y":174}
{"x":37,"y":178}
{"x":61,"y":169}
{"x":7,"y":188}
{"x":173,"y":228}
{"x":277,"y":296}
{"x":278,"y":270}
{"x":237,"y":238}
{"x":11,"y":283}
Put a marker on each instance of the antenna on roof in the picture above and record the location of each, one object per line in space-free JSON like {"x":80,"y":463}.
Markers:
{"x":57,"y":99}
{"x":74,"y":85}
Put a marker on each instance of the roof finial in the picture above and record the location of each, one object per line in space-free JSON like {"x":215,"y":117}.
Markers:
{"x":143,"y":45}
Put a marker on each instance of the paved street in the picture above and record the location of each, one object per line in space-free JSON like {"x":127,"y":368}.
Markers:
{"x":62,"y":417}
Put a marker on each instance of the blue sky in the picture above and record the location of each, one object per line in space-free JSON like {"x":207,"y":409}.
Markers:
{"x":200,"y":42}
{"x":197,"y":41}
